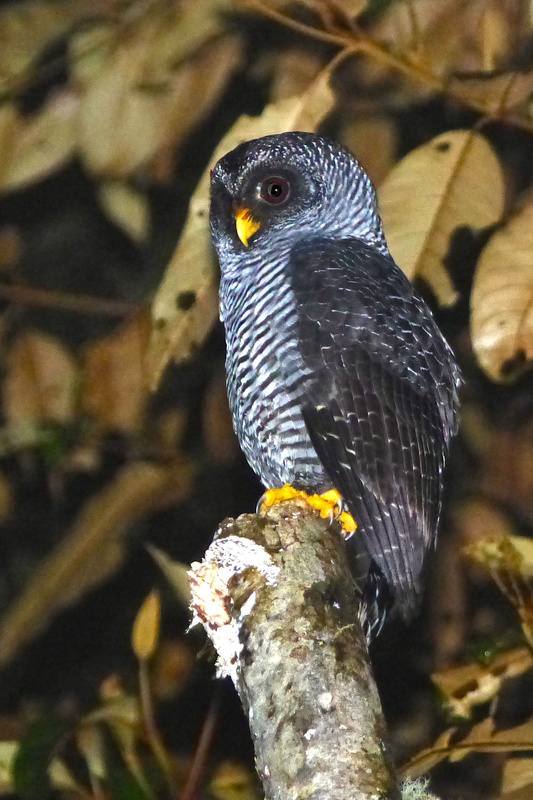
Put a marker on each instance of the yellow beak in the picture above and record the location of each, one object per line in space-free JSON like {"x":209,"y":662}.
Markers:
{"x":246,"y":225}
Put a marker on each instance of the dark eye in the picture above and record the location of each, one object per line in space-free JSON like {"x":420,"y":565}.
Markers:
{"x":275,"y":190}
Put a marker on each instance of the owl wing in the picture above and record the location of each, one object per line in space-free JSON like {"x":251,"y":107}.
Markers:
{"x":380,"y":400}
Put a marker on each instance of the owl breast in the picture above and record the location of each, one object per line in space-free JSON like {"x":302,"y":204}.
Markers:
{"x":266,"y":377}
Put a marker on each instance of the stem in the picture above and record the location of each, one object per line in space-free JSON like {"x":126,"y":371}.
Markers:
{"x":197,"y":770}
{"x":22,"y":294}
{"x":152,"y":734}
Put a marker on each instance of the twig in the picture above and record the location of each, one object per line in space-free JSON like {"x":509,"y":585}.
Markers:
{"x":152,"y":734}
{"x":357,"y":42}
{"x":78,"y":303}
{"x":198,"y":766}
{"x":277,"y":598}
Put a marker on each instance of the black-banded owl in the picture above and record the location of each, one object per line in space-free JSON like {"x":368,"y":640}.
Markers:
{"x":337,"y":374}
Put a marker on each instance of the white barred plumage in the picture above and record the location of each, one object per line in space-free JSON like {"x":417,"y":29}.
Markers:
{"x":337,"y":374}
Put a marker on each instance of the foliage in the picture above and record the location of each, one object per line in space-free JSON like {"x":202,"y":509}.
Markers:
{"x":111,"y":116}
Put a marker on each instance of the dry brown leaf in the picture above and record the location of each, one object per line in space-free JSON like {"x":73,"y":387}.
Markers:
{"x":478,"y":521}
{"x":7,"y":503}
{"x":94,"y":548}
{"x":114,"y":391}
{"x":293,"y":72}
{"x":121,"y":713}
{"x":448,"y":603}
{"x":176,"y":573}
{"x":495,"y":34}
{"x":426,"y":759}
{"x":234,"y":781}
{"x":453,"y":181}
{"x":352,"y":8}
{"x":512,"y":553}
{"x":174,"y":661}
{"x":128,"y":115}
{"x":218,"y":436}
{"x":145,"y":632}
{"x":90,"y":741}
{"x":40,"y":382}
{"x":440,"y":37}
{"x":372,"y":138}
{"x":32,"y":147}
{"x":89,"y":51}
{"x":183,"y":28}
{"x":505,"y":456}
{"x":26,"y":29}
{"x":469,"y":685}
{"x":517,"y":774}
{"x":8,"y":751}
{"x":186,"y":304}
{"x":481,"y":738}
{"x":496,"y":93}
{"x":502,"y":299}
{"x":127,"y":207}
{"x":10,"y":246}
{"x":509,"y":562}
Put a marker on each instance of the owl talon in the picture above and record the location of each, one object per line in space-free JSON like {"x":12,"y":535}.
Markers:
{"x":329,"y":505}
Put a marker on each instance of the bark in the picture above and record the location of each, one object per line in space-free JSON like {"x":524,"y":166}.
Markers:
{"x":277,"y":598}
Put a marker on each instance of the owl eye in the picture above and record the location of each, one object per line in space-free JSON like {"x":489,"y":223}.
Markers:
{"x":275,"y":190}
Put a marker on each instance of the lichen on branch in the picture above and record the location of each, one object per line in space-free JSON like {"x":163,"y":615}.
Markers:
{"x":276,"y":596}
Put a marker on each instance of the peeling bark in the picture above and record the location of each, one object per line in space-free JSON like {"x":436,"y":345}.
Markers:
{"x":277,"y":598}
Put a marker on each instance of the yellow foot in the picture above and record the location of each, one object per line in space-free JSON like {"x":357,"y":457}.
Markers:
{"x":329,"y":504}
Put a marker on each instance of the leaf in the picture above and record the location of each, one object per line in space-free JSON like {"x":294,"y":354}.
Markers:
{"x":494,"y":92}
{"x":481,"y":738}
{"x":34,"y":757}
{"x":114,"y":390}
{"x":128,"y":113}
{"x":517,"y":774}
{"x":219,"y":439}
{"x":514,"y":554}
{"x":234,"y":781}
{"x":469,"y":685}
{"x":439,"y":38}
{"x":453,"y":181}
{"x":293,"y":71}
{"x":481,"y":523}
{"x":26,"y":29}
{"x":61,"y":779}
{"x":121,"y":713}
{"x":502,"y":299}
{"x":126,"y":207}
{"x":186,"y":304}
{"x":35,"y":146}
{"x":94,"y":549}
{"x":91,"y":744}
{"x":505,"y":456}
{"x":10,"y":246}
{"x":176,"y":573}
{"x":174,"y":662}
{"x":494,"y":34}
{"x":185,"y":28}
{"x":372,"y":137}
{"x":8,"y":751}
{"x":41,"y":380}
{"x":428,"y":758}
{"x":484,"y":738}
{"x":509,"y":561}
{"x":146,"y":627}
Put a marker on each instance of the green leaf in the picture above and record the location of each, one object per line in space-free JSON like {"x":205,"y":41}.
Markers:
{"x":35,"y":755}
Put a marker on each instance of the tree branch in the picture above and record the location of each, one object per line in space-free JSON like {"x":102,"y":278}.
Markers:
{"x":277,"y":598}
